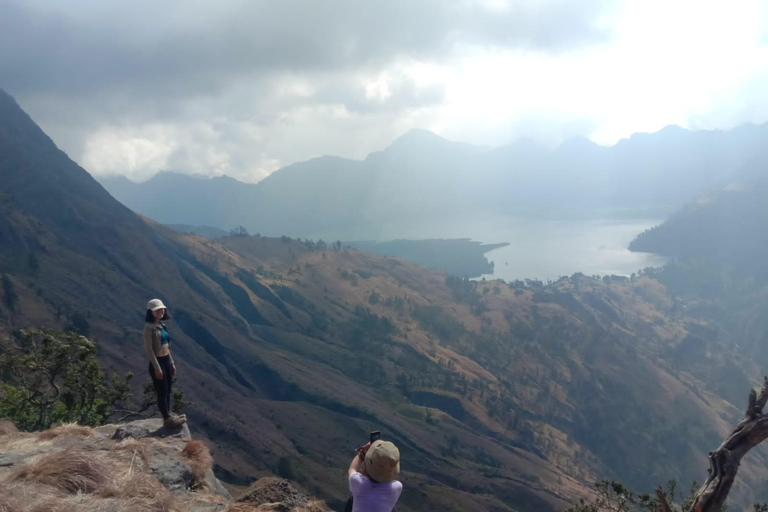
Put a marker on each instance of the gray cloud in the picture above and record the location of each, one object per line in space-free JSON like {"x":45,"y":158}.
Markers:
{"x":186,"y":46}
{"x":213,"y":82}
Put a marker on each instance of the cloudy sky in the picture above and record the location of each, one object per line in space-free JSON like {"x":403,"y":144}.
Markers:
{"x":244,"y":87}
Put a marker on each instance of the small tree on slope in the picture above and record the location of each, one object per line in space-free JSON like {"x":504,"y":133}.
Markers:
{"x":54,"y":377}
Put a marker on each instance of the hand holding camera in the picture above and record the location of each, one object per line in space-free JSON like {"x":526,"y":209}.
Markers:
{"x":361,"y":451}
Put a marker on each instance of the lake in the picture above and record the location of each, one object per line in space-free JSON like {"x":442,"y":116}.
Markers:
{"x":541,"y":249}
{"x":548,"y":250}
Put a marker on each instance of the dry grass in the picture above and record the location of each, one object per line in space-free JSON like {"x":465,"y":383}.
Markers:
{"x":19,"y":442}
{"x":6,"y":428}
{"x":203,"y":500}
{"x":87,"y":503}
{"x":80,"y":481}
{"x":199,"y":459}
{"x":97,"y":476}
{"x":137,"y":448}
{"x":9,"y":502}
{"x":28,"y":498}
{"x":65,"y":430}
{"x":51,"y":504}
{"x":241,"y":507}
{"x":313,"y":505}
{"x":71,"y":471}
{"x":140,"y":488}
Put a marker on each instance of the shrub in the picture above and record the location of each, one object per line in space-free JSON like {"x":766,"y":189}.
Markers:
{"x":55,"y":377}
{"x":65,"y":430}
{"x":199,"y":458}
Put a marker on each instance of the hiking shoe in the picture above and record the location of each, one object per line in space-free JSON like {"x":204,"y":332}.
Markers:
{"x":173,"y":422}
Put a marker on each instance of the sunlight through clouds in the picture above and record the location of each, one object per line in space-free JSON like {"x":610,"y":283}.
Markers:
{"x":245,"y":87}
{"x":670,"y":62}
{"x":114,"y":151}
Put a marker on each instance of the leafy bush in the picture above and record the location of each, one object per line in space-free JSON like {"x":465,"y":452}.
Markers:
{"x":53,"y":377}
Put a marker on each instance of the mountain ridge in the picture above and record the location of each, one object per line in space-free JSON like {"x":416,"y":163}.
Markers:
{"x":501,"y":396}
{"x":422,"y":175}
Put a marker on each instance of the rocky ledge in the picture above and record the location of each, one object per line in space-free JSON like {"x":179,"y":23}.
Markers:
{"x":139,"y":466}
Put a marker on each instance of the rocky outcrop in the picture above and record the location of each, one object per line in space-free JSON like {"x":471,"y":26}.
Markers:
{"x":139,"y":466}
{"x":142,"y":429}
{"x":274,"y":494}
{"x":147,"y":466}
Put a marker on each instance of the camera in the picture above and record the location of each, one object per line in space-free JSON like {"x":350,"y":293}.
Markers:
{"x":375,"y":436}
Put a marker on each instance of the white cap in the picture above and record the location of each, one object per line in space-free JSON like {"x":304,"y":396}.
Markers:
{"x":155,"y":304}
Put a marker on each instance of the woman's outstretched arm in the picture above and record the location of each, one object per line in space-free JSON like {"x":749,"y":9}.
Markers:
{"x":355,"y":465}
{"x":357,"y":462}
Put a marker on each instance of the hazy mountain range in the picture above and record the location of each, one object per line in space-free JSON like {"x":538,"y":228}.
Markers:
{"x":501,"y":397}
{"x":422,"y":175}
{"x":724,"y":229}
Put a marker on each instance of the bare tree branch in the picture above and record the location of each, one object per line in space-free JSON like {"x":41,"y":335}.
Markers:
{"x":663,"y":500}
{"x":130,"y":414}
{"x":724,"y":462}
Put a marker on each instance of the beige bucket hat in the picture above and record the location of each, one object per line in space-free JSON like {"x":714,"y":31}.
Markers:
{"x":382,"y":461}
{"x":155,"y":304}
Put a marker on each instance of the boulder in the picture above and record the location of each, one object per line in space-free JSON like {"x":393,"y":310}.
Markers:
{"x":215,"y":486}
{"x":8,"y":459}
{"x":176,"y":475}
{"x":152,"y":427}
{"x":273,"y":492}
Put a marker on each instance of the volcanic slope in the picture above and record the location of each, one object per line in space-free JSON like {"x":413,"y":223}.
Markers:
{"x":501,"y":397}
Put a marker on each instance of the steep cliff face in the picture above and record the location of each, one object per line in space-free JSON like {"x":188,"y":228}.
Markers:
{"x":139,"y":466}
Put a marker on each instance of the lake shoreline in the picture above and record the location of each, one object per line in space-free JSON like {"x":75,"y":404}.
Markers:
{"x":461,"y":257}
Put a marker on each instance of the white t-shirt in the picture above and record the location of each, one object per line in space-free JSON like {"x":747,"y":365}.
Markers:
{"x":370,"y":496}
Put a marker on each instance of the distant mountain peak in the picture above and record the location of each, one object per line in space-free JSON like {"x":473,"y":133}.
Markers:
{"x":673,"y":128}
{"x":417,"y":136}
{"x":579,"y":143}
{"x":418,"y":140}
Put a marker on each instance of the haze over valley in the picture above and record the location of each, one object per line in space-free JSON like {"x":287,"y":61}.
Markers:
{"x":572,"y":209}
{"x":526,"y":242}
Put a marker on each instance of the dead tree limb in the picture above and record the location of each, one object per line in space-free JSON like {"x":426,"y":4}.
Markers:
{"x":724,"y":462}
{"x":663,"y":500}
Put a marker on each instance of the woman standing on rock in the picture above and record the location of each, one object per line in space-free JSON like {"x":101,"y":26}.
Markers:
{"x":157,"y":343}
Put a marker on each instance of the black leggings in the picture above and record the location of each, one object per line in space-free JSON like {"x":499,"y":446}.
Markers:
{"x":163,"y":386}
